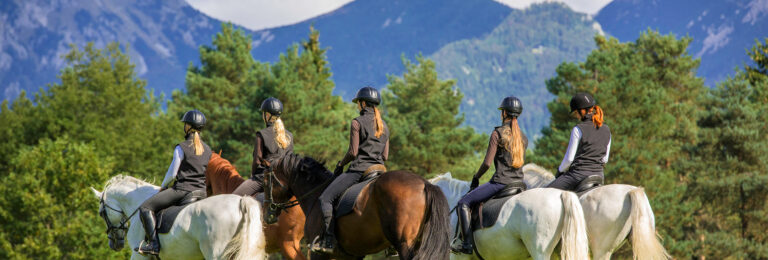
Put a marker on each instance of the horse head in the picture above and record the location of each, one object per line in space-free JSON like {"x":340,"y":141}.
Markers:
{"x":292,"y":175}
{"x":112,"y":206}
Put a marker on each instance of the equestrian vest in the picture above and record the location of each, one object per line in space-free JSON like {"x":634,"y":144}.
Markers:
{"x":505,"y":173}
{"x":592,"y":148}
{"x":273,"y":151}
{"x":371,"y":148}
{"x":191,"y":175}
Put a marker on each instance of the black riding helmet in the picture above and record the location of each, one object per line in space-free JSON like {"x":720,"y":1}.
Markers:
{"x":512,"y":105}
{"x":368,"y":94}
{"x":273,"y":106}
{"x":582,"y":100}
{"x":194,"y":118}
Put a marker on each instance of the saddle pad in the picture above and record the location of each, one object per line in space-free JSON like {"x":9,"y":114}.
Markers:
{"x":166,"y":217}
{"x":346,"y":203}
{"x":486,"y":214}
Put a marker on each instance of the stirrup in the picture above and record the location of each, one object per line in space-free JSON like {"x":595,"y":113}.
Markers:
{"x":147,"y":251}
{"x":321,"y":245}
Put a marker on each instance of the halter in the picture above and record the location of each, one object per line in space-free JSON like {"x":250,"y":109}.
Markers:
{"x":123,"y":220}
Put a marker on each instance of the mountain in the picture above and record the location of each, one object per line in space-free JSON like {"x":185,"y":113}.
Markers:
{"x":164,"y":37}
{"x":722,"y":31}
{"x":367,"y":38}
{"x":516,"y":58}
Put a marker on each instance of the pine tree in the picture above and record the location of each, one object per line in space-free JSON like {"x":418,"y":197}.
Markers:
{"x":422,"y":113}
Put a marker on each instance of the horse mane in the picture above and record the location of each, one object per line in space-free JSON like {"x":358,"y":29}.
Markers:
{"x":456,"y":187}
{"x":221,"y":177}
{"x":120,"y":179}
{"x":536,"y":176}
{"x":313,"y":170}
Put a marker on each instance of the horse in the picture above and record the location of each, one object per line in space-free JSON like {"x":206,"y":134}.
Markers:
{"x":530,"y":224}
{"x":611,"y":212}
{"x":220,"y":227}
{"x":399,"y":209}
{"x":285,"y":236}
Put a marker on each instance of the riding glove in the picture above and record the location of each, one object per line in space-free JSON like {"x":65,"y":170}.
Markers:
{"x":339,"y":169}
{"x":475,"y":183}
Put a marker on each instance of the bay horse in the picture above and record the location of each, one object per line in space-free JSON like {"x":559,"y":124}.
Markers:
{"x":611,"y":212}
{"x":399,"y":209}
{"x":219,"y":227}
{"x":285,"y":236}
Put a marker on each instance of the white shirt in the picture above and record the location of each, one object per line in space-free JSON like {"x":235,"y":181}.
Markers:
{"x":170,"y":175}
{"x":573,"y":146}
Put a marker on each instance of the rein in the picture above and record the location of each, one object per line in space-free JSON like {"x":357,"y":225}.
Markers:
{"x":124,"y":219}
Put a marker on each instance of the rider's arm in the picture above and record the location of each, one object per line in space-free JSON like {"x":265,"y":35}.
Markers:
{"x":607,"y":150}
{"x":178,"y":155}
{"x":489,"y":154}
{"x":257,"y":154}
{"x":354,"y":142}
{"x":573,"y":144}
{"x":386,"y":151}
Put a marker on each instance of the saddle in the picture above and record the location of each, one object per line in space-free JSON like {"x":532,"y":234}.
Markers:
{"x":166,"y":217}
{"x":485,"y":214}
{"x":346,"y":203}
{"x":588,"y":184}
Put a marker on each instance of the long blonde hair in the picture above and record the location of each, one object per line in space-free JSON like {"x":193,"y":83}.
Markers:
{"x":379,"y":123}
{"x":196,"y":142}
{"x":512,"y":141}
{"x":282,"y":139}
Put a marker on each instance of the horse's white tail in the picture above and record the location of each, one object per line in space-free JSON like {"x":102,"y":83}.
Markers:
{"x":248,"y":242}
{"x":645,"y":241}
{"x":574,"y":242}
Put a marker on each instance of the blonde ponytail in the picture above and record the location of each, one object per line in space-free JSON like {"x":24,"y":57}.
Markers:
{"x":512,"y":141}
{"x":379,"y":123}
{"x":198,"y":143}
{"x":282,"y":139}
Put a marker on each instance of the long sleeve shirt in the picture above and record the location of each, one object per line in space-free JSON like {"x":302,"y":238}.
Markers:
{"x":493,"y":144}
{"x":173,"y":169}
{"x":573,"y":146}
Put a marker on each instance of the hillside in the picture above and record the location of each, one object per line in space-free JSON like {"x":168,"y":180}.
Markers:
{"x":516,"y":58}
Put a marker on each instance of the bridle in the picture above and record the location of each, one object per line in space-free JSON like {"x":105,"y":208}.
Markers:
{"x":123,"y":220}
{"x":277,"y":206}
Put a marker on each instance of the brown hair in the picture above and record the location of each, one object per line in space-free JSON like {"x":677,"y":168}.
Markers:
{"x":512,"y":141}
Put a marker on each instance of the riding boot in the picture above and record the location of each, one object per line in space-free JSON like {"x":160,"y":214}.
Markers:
{"x":466,"y":246}
{"x":151,"y":244}
{"x":325,"y":245}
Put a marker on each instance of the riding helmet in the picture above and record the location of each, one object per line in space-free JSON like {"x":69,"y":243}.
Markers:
{"x":582,"y":100}
{"x":273,"y":106}
{"x":512,"y":105}
{"x":194,"y":118}
{"x":369,"y":95}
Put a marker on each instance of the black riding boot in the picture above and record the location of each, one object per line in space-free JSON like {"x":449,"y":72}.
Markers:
{"x":466,"y":231}
{"x":150,"y":245}
{"x":326,"y":241}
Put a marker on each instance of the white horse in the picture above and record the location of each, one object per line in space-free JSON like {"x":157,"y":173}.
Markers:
{"x":530,"y":224}
{"x":219,"y":227}
{"x":611,"y":212}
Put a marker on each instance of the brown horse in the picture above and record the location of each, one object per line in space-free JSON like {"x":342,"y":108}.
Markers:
{"x":399,"y":209}
{"x":285,"y":235}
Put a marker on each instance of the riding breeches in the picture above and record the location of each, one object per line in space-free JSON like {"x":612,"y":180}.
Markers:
{"x":250,"y":187}
{"x":163,"y":199}
{"x":481,"y":194}
{"x":569,"y":180}
{"x":336,"y":188}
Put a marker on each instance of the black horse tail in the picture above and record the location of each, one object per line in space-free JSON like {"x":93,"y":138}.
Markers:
{"x":435,"y":239}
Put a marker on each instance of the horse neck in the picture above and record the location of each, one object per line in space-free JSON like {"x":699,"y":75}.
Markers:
{"x":301,"y":183}
{"x":131,"y":196}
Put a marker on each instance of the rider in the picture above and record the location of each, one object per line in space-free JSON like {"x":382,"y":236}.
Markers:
{"x":507,"y":151}
{"x":368,"y":145}
{"x":272,"y":143}
{"x":190,"y":158}
{"x":589,"y":146}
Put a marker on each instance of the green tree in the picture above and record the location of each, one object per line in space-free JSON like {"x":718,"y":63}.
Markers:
{"x":47,"y":210}
{"x":422,"y":112}
{"x":649,"y":92}
{"x":732,"y":171}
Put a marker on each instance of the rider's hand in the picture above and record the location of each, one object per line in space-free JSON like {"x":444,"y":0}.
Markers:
{"x":558,"y":174}
{"x":475,"y":183}
{"x":339,"y":168}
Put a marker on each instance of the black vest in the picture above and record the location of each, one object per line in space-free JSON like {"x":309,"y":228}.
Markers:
{"x":191,"y":175}
{"x":370,"y":150}
{"x":505,"y":173}
{"x":592,"y":148}
{"x":273,"y":152}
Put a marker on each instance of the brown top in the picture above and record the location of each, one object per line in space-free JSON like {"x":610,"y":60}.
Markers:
{"x":489,"y":155}
{"x":354,"y":144}
{"x":257,"y":154}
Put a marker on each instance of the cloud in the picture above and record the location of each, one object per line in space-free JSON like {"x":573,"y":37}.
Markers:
{"x":12,"y":90}
{"x":583,"y":6}
{"x":756,"y":9}
{"x":264,"y":14}
{"x":716,"y":39}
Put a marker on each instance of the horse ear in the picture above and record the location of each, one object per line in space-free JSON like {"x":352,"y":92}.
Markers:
{"x":96,"y":193}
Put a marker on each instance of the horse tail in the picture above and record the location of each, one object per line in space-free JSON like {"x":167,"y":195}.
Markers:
{"x":248,"y":241}
{"x":435,"y":235}
{"x":645,"y":240}
{"x":574,"y":243}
